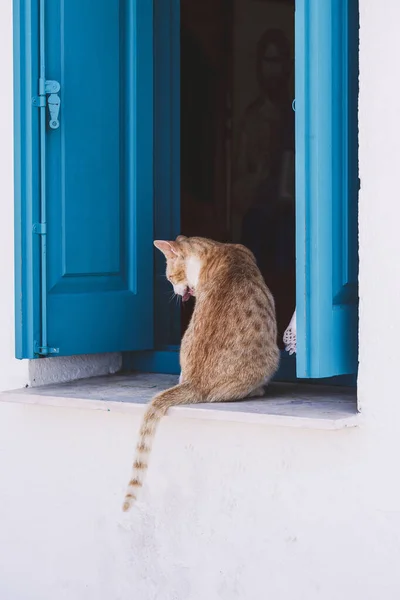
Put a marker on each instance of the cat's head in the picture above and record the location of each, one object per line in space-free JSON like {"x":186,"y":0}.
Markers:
{"x":177,"y":256}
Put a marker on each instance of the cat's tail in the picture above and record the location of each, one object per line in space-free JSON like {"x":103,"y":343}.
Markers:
{"x":183,"y":393}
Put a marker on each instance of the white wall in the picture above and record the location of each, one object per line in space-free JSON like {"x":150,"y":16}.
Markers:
{"x":379,"y":209}
{"x":230,"y":511}
{"x":13,"y":373}
{"x":59,"y":368}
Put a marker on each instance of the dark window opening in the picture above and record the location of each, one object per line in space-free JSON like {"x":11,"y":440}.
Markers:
{"x":237,"y":134}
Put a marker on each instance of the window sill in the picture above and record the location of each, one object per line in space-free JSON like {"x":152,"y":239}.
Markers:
{"x":285,"y":405}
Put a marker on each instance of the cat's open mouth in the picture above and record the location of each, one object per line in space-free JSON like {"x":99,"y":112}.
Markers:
{"x":187,"y":294}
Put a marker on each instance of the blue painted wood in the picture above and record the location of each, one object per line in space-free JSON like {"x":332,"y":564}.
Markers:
{"x":326,"y":187}
{"x":99,"y":177}
{"x":26,"y":176}
{"x":41,"y":345}
{"x":158,"y":361}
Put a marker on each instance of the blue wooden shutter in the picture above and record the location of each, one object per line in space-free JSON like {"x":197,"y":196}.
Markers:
{"x":326,"y":186}
{"x":86,"y":285}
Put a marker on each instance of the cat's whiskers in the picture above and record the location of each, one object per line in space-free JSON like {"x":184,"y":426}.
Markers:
{"x":175,"y":296}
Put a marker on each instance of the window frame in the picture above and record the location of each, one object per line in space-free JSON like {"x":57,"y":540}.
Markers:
{"x":165,"y":358}
{"x":26,"y":177}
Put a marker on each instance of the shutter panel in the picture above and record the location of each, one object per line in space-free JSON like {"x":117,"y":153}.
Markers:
{"x":26,"y":176}
{"x":97,"y":260}
{"x":326,"y":187}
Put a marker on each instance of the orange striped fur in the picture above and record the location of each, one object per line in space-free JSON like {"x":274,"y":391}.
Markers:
{"x":229,"y":350}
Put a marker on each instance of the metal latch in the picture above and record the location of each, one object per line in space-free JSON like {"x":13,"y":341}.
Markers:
{"x":49,"y":88}
{"x":45,"y":350}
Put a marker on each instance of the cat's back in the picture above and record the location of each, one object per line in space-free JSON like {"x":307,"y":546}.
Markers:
{"x":246,"y":293}
{"x":234,"y":323}
{"x":239,"y":279}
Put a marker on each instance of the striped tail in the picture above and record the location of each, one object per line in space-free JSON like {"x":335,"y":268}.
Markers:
{"x":180,"y":394}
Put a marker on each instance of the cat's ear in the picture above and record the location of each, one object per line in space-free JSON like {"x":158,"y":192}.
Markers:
{"x":181,"y":238}
{"x":169,"y":249}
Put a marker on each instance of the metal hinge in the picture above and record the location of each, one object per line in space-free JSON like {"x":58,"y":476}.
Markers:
{"x":45,"y":350}
{"x":39,"y":228}
{"x":48,"y":96}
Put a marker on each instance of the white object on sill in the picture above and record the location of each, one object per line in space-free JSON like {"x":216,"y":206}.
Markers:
{"x":289,"y":337}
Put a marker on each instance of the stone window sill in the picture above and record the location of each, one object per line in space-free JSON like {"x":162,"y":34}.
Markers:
{"x":285,"y":405}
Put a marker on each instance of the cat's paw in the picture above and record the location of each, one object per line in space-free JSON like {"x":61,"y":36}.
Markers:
{"x":257,"y":393}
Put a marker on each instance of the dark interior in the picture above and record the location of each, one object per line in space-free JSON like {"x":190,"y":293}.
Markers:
{"x":237,"y":134}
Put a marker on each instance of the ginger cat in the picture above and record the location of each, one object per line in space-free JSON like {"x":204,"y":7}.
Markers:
{"x":229,"y":350}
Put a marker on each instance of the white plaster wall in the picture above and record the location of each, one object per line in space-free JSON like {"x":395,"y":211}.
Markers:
{"x":379,"y":211}
{"x":68,"y":368}
{"x":13,"y":373}
{"x":16,"y":373}
{"x":230,"y":511}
